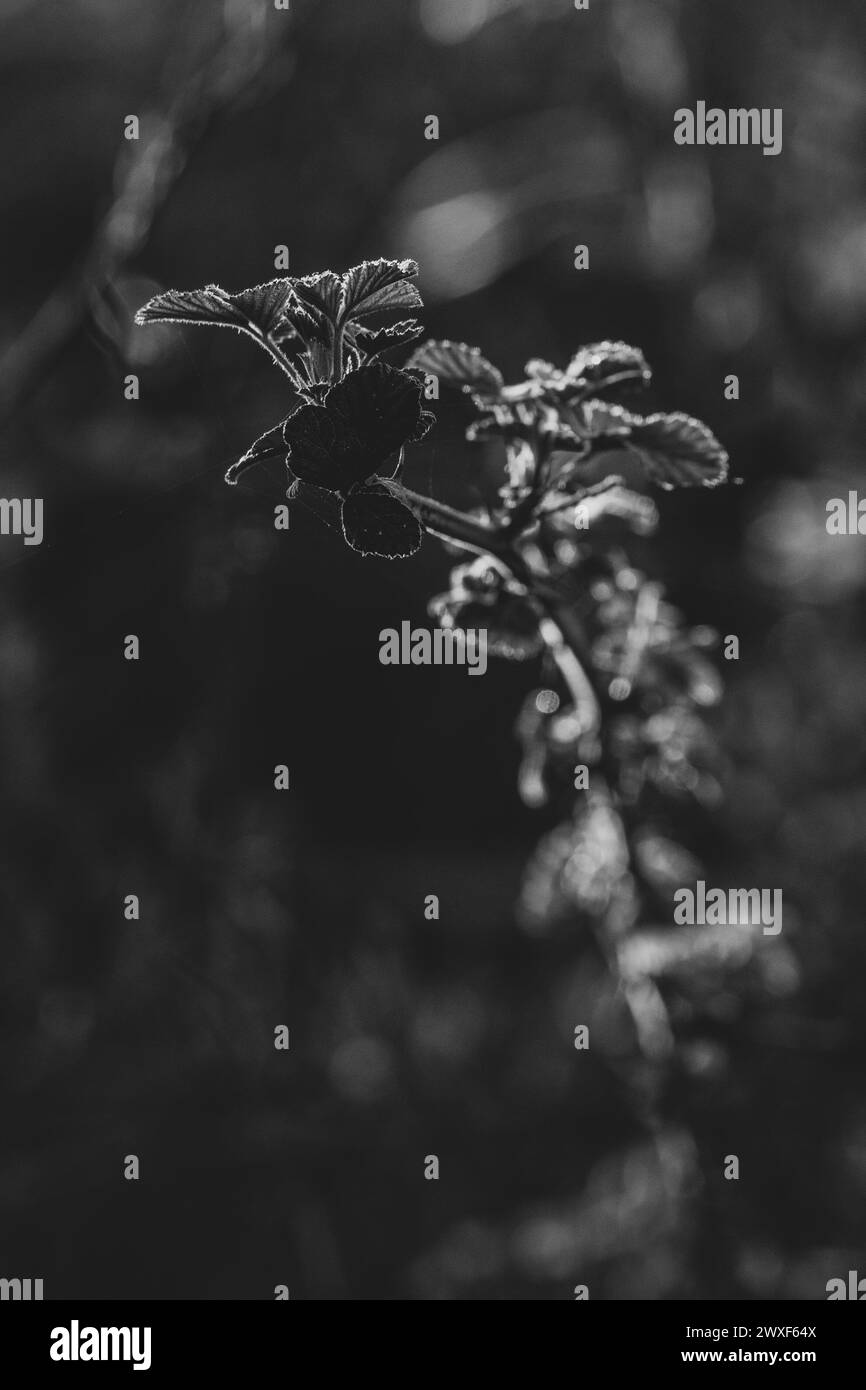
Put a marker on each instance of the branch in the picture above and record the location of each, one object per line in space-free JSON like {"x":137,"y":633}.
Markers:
{"x":146,"y":172}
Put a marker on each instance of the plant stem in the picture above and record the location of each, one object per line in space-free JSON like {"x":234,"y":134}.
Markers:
{"x":447,"y":522}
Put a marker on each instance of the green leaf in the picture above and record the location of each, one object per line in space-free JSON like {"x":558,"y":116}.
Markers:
{"x":375,"y":522}
{"x":457,"y":364}
{"x":376,"y":285}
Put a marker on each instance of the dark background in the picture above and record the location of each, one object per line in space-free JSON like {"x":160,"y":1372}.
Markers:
{"x":408,"y":1037}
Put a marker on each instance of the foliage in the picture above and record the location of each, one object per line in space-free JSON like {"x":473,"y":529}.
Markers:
{"x":625,"y":728}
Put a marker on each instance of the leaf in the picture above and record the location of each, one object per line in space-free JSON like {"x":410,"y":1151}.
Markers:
{"x":679,"y":451}
{"x":509,"y":621}
{"x":426,"y":421}
{"x":258,"y":310}
{"x":377,"y":523}
{"x":364,"y":419}
{"x":325,"y":506}
{"x":565,"y":470}
{"x":457,"y":364}
{"x":600,"y":363}
{"x":320,"y":295}
{"x":562,"y":510}
{"x":539,"y":370}
{"x":671,"y":951}
{"x":507,"y":421}
{"x":597,"y":419}
{"x":312,"y":312}
{"x":676,"y":450}
{"x":209,"y":305}
{"x":269,"y":445}
{"x":376,"y":285}
{"x":383,"y":404}
{"x":581,"y":865}
{"x":264,"y":306}
{"x":372,"y":341}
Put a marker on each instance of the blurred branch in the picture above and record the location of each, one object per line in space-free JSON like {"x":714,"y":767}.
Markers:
{"x":204,"y":74}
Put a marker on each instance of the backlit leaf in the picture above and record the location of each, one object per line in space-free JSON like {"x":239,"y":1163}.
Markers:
{"x":457,"y":364}
{"x":377,"y":523}
{"x":377,"y":285}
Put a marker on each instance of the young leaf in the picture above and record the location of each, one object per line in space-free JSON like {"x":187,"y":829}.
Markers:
{"x":320,"y":295}
{"x":458,"y":365}
{"x":376,"y":285}
{"x":312,"y":312}
{"x":264,"y":307}
{"x":377,"y":523}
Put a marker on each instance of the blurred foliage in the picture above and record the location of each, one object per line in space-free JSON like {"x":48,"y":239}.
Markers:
{"x":155,"y":1037}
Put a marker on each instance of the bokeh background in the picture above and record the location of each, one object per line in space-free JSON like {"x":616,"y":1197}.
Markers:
{"x":409,"y":1037}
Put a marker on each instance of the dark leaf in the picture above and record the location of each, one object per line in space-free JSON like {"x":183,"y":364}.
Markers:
{"x":324,"y":506}
{"x":426,"y":421}
{"x":376,"y":285}
{"x":269,"y":445}
{"x":376,"y":523}
{"x":458,"y":365}
{"x":365,"y":418}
